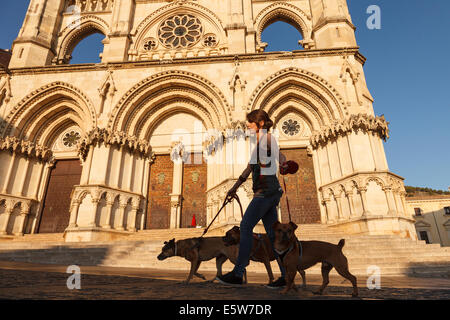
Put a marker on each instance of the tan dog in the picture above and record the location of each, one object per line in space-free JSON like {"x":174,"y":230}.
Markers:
{"x":261,"y":249}
{"x":197,"y":250}
{"x":305,"y":254}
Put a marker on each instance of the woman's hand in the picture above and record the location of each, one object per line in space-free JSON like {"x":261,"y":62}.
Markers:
{"x":231,"y":192}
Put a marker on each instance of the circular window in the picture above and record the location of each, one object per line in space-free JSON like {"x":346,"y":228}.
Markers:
{"x":71,"y":138}
{"x":291,"y":127}
{"x":180,"y":31}
{"x":210,"y":40}
{"x":150,"y":44}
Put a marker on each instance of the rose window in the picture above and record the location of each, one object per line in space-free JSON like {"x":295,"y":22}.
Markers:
{"x":181,"y":31}
{"x":71,"y":138}
{"x":291,"y":127}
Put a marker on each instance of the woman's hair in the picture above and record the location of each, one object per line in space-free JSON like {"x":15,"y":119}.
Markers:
{"x":260,"y":115}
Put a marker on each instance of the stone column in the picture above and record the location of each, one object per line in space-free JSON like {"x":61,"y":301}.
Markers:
{"x":362,"y":192}
{"x":122,"y":208}
{"x":95,"y":202}
{"x":133,"y":215}
{"x":340,"y":212}
{"x":8,"y":174}
{"x":109,"y":205}
{"x":23,"y":217}
{"x":390,"y":200}
{"x":175,"y":211}
{"x":74,"y":213}
{"x":4,"y":227}
{"x":326,"y":203}
{"x":349,"y":196}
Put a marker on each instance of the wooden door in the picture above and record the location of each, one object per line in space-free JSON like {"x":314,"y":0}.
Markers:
{"x":194,"y":193}
{"x":56,"y":212}
{"x":160,"y":188}
{"x":301,"y":190}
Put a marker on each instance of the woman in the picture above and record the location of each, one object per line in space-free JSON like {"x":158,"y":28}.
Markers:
{"x":267,"y":194}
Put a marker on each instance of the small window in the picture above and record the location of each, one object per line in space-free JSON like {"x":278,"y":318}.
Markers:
{"x":424,"y":236}
{"x":447,"y":210}
{"x":418,"y":211}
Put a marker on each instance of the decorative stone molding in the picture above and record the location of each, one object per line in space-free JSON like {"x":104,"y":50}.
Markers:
{"x":5,"y":89}
{"x":98,"y":136}
{"x":335,"y":108}
{"x":26,"y":148}
{"x":54,"y":88}
{"x":219,"y":110}
{"x":363,"y":122}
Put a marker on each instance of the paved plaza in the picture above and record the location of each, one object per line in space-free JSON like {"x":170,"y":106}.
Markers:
{"x":49,"y":282}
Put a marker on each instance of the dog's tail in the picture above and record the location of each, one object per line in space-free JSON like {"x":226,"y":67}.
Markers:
{"x":341,"y":243}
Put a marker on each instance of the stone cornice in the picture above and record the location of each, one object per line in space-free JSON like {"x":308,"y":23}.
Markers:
{"x":363,"y":122}
{"x":98,"y":136}
{"x":26,"y":148}
{"x":195,"y":60}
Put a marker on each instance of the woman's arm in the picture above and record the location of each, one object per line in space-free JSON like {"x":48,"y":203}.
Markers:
{"x":242,"y":178}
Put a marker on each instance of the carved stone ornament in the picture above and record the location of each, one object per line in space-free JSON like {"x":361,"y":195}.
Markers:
{"x":98,"y":136}
{"x":354,"y":123}
{"x":26,"y":148}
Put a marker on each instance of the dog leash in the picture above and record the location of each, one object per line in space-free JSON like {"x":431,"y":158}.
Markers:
{"x":287,"y":200}
{"x":228,"y":199}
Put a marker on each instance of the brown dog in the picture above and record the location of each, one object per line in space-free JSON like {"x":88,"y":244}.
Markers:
{"x":197,"y":250}
{"x":261,"y":249}
{"x":305,"y":254}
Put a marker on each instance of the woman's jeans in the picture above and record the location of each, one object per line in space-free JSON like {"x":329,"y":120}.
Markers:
{"x":259,"y":208}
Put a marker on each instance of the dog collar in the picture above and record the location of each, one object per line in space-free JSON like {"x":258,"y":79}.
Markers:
{"x":282,"y":254}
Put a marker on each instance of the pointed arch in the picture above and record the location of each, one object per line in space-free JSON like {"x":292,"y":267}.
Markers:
{"x":302,"y":90}
{"x":169,"y":91}
{"x":286,"y":12}
{"x":76,"y":32}
{"x":42,"y":114}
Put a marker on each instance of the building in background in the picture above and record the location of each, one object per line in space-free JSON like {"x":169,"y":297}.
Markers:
{"x":432,"y":215}
{"x":96,"y":150}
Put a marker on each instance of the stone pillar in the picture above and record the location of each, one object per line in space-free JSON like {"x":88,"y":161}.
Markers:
{"x":349,"y":196}
{"x":340,"y":213}
{"x":22,"y":218}
{"x":133,"y":215}
{"x":390,"y":201}
{"x":74,"y":213}
{"x":4,"y":227}
{"x":95,"y":202}
{"x":326,"y":203}
{"x":362,"y":192}
{"x":8,"y":174}
{"x":109,"y":205}
{"x":175,"y":211}
{"x":121,"y":216}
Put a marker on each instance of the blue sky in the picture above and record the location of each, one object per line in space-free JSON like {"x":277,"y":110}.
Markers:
{"x":407,"y":71}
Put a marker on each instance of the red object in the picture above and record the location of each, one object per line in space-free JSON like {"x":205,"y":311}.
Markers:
{"x":194,"y":222}
{"x":292,"y":168}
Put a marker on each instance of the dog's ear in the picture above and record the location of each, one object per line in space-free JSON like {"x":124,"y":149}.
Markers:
{"x":293,"y":225}
{"x":275,"y":225}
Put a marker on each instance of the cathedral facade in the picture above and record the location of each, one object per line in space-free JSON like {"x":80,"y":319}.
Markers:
{"x":155,"y":133}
